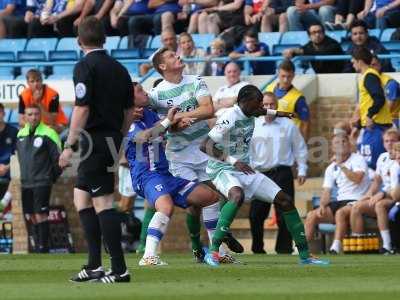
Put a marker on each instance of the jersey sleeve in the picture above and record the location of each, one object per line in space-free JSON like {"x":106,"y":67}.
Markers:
{"x":133,"y":131}
{"x":329,"y":179}
{"x":221,"y":128}
{"x":153,"y":98}
{"x":394,"y":175}
{"x":83,"y":84}
{"x":201,"y":88}
{"x":21,"y":105}
{"x":54,"y":104}
{"x":392,"y":90}
{"x":302,"y":109}
{"x":359,"y":164}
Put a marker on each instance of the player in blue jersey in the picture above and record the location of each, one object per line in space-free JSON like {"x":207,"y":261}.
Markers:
{"x":152,"y":180}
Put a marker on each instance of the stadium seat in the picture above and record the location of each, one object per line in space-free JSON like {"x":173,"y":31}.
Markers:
{"x":125,"y":53}
{"x":270,"y":38}
{"x":345,"y":45}
{"x":63,"y":55}
{"x":42,"y":44}
{"x":111,"y":43}
{"x":203,"y":40}
{"x":133,"y":68}
{"x":387,"y":34}
{"x":123,"y":43}
{"x":295,"y":37}
{"x":155,"y":42}
{"x":7,"y":72}
{"x":278,"y":49}
{"x":13,"y":45}
{"x":23,"y":56}
{"x":148,"y":52}
{"x":13,"y":118}
{"x":68,"y":43}
{"x":67,"y":110}
{"x":7,"y":112}
{"x":62,"y":72}
{"x":375,"y":32}
{"x":337,"y":35}
{"x":392,"y":45}
{"x":7,"y":56}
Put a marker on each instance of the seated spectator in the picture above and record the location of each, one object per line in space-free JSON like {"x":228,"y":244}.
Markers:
{"x":198,"y":16}
{"x":166,"y":15}
{"x":302,"y":14}
{"x":217,"y":49}
{"x":100,"y":9}
{"x":349,"y":173}
{"x":36,"y":17}
{"x":12,"y":23}
{"x":226,"y":95}
{"x":391,"y":89}
{"x":346,"y":12}
{"x":267,"y":15}
{"x":251,"y":47}
{"x":319,"y":44}
{"x":290,"y":98}
{"x":228,"y":14}
{"x":168,"y":40}
{"x":376,"y":13}
{"x":132,"y":17}
{"x":378,"y":200}
{"x":187,"y":49}
{"x":360,"y":38}
{"x":45,"y":98}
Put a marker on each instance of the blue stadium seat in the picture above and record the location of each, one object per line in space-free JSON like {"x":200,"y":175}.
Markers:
{"x":111,"y":43}
{"x":62,"y":72}
{"x":392,"y":45}
{"x":41,"y":44}
{"x":7,"y":112}
{"x":337,"y":35}
{"x":125,"y":53}
{"x":23,"y":56}
{"x":68,"y":43}
{"x":133,"y":68}
{"x":278,"y":49}
{"x":63,"y":55}
{"x":203,"y":40}
{"x":123,"y":43}
{"x":13,"y":45}
{"x":270,"y":38}
{"x":295,"y":37}
{"x":387,"y":34}
{"x":7,"y":72}
{"x":345,"y":45}
{"x":155,"y":42}
{"x":13,"y":118}
{"x":68,"y":110}
{"x":148,"y":52}
{"x":7,"y":56}
{"x":375,"y":32}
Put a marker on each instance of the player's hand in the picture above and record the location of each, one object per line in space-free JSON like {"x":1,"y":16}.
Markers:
{"x":65,"y":158}
{"x":171,"y":115}
{"x":243,"y":167}
{"x":137,"y":113}
{"x":288,"y":53}
{"x":301,"y":180}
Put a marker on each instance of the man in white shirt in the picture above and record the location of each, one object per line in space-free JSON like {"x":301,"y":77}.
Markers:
{"x":226,"y":95}
{"x":349,"y":172}
{"x":378,"y":200}
{"x":275,"y":147}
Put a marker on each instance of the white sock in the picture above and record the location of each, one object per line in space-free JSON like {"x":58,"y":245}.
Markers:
{"x":157,"y":227}
{"x":210,"y":219}
{"x":6,"y":199}
{"x":387,"y":241}
{"x":336,"y":246}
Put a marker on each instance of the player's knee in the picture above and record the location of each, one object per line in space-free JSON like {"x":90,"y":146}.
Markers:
{"x":236,"y":195}
{"x":284,"y":202}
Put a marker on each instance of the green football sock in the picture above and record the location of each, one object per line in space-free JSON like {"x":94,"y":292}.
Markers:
{"x":228,"y":213}
{"x":148,"y":215}
{"x":296,"y":229}
{"x":222,"y":201}
{"x":193,"y":224}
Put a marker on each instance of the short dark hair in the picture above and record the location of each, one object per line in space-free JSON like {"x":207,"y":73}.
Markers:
{"x":158,"y":59}
{"x":270,"y":94}
{"x":249,"y":92}
{"x":1,"y":106}
{"x":251,"y":34}
{"x":157,"y":82}
{"x":287,"y":65}
{"x":35,"y":73}
{"x":362,"y":53}
{"x":91,"y":32}
{"x":358,"y":23}
{"x":315,"y":23}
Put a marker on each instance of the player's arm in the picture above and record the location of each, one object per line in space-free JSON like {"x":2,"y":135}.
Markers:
{"x":324,"y":202}
{"x":355,"y":176}
{"x":203,"y":112}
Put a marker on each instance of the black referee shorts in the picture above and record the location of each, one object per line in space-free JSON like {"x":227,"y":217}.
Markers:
{"x":36,"y":200}
{"x":3,"y":188}
{"x":95,"y":171}
{"x":336,"y":205}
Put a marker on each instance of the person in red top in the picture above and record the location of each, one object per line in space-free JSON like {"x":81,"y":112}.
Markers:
{"x":46,"y":98}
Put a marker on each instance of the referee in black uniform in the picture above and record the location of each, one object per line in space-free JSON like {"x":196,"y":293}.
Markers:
{"x":104,"y":100}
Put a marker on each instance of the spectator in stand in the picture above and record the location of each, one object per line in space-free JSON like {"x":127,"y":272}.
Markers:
{"x":100,"y":9}
{"x":319,"y":44}
{"x":267,"y":15}
{"x":168,"y":40}
{"x":251,"y":47}
{"x":228,"y":14}
{"x":198,"y":16}
{"x":12,"y":23}
{"x":346,"y":13}
{"x":226,"y":95}
{"x":217,"y":49}
{"x":377,"y":13}
{"x":349,"y":173}
{"x":360,"y":38}
{"x":45,"y":98}
{"x":8,"y":140}
{"x":378,"y":200}
{"x":38,"y":149}
{"x":290,"y":98}
{"x":132,"y":17}
{"x":302,"y":14}
{"x":187,"y":49}
{"x":36,"y":17}
{"x":166,"y":16}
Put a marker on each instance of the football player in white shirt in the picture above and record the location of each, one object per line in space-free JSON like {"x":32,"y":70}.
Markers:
{"x":378,"y":200}
{"x":349,"y":172}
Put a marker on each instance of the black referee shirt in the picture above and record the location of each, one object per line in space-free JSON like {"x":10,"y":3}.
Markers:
{"x":105,"y":86}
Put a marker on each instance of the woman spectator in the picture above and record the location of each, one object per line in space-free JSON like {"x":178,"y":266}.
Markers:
{"x":187,"y":49}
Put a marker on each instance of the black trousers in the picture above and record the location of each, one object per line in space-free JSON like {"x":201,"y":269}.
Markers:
{"x":259,"y":211}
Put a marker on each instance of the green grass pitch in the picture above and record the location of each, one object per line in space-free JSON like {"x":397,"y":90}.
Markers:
{"x":258,"y":277}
